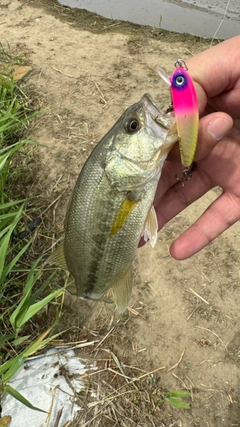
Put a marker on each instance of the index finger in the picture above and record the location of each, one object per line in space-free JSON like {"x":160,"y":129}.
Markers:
{"x":219,"y":216}
{"x":215,"y":72}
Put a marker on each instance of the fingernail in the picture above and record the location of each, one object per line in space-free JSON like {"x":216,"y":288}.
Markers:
{"x":218,"y":127}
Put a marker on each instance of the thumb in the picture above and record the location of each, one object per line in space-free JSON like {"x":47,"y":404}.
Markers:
{"x":212,"y":129}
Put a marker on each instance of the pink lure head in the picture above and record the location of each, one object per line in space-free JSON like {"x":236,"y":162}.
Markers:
{"x":183,"y":92}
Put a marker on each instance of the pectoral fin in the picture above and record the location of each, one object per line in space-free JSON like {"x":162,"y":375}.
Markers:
{"x":122,"y":214}
{"x":151,"y":227}
{"x":58,"y":257}
{"x":122,"y":291}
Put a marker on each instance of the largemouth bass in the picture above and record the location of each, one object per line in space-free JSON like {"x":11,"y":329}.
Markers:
{"x":111,"y":204}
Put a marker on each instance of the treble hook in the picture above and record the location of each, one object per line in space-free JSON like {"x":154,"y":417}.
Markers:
{"x":181,"y":63}
{"x":185,"y":174}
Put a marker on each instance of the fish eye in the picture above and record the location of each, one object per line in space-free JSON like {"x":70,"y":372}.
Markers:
{"x":132,"y":125}
{"x":180,"y":80}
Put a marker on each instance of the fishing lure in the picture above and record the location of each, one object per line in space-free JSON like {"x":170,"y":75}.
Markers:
{"x":185,"y":106}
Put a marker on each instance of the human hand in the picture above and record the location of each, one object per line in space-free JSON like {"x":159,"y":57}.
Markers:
{"x":216,"y":74}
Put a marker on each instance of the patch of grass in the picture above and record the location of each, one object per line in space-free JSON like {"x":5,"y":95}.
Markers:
{"x":176,"y":398}
{"x":15,"y":112}
{"x":20,"y":297}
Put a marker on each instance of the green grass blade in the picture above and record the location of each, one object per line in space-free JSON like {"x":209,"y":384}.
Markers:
{"x":19,"y":313}
{"x":10,"y":266}
{"x":5,"y":240}
{"x":8,"y":215}
{"x":8,"y":148}
{"x":35,"y":308}
{"x":39,"y":343}
{"x":20,"y":340}
{"x":5,"y":338}
{"x":4,"y":231}
{"x":8,"y":152}
{"x":11,"y":204}
{"x":18,"y":317}
{"x":18,"y":396}
{"x":178,"y":403}
{"x":177,"y":393}
{"x":44,"y":285}
{"x":27,"y":307}
{"x":9,"y":368}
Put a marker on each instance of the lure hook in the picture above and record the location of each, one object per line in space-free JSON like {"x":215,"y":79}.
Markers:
{"x":185,"y":174}
{"x":180,"y":63}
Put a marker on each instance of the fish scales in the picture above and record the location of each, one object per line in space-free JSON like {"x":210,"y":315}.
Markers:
{"x":105,"y":258}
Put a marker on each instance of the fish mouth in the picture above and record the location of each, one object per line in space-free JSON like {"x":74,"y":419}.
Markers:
{"x":153,"y":109}
{"x":162,"y":124}
{"x":150,"y":105}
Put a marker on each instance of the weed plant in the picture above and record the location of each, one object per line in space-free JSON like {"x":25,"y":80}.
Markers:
{"x":20,"y":298}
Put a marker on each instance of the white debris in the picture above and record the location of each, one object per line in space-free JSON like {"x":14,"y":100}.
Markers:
{"x":50,"y":382}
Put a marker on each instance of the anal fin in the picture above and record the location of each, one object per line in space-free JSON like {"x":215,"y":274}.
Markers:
{"x":122,"y":291}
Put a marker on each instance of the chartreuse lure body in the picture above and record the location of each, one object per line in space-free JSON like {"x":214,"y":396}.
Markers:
{"x":185,"y":106}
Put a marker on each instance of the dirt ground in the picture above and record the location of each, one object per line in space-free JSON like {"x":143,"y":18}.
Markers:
{"x":184,"y":316}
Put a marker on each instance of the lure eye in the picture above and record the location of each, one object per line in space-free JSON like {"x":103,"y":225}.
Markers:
{"x":180,"y":80}
{"x":132,"y":125}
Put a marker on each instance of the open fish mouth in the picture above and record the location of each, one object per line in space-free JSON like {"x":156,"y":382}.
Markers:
{"x":150,"y":105}
{"x":163,"y":125}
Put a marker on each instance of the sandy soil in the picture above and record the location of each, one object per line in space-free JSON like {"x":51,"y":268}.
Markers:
{"x":86,"y":71}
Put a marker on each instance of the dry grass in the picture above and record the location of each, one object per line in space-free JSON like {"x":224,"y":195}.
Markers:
{"x":116,"y":393}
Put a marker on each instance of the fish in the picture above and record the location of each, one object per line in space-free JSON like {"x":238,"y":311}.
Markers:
{"x":185,"y":107}
{"x":111,"y":205}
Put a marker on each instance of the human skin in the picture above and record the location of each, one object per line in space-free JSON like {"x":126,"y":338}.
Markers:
{"x":216,"y":75}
